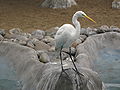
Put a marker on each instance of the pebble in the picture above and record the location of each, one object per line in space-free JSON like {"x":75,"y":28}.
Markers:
{"x":52,"y":31}
{"x":39,"y":45}
{"x":103,"y":29}
{"x":22,"y":42}
{"x":114,"y":28}
{"x":52,"y":49}
{"x":38,"y":34}
{"x":90,"y":31}
{"x":2,"y":32}
{"x":49,"y":40}
{"x":15,"y":31}
{"x":30,"y":44}
{"x":43,"y":56}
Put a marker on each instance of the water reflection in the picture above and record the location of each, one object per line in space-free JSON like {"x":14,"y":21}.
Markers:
{"x":108,"y":67}
{"x":8,"y":79}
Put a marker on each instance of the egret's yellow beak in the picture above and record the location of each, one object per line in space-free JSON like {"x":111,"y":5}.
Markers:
{"x":90,"y":18}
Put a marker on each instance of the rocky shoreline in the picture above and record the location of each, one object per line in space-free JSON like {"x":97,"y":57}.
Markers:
{"x":43,"y":41}
{"x":37,"y":65}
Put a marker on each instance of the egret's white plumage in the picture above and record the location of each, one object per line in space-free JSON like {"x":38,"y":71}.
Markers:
{"x":65,"y":36}
{"x":68,"y":33}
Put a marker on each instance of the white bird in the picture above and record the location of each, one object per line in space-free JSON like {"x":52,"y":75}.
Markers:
{"x":68,"y":33}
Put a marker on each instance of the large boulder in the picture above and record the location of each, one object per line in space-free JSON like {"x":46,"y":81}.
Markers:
{"x":58,"y":3}
{"x":100,"y":53}
{"x":116,"y":4}
{"x":35,"y":75}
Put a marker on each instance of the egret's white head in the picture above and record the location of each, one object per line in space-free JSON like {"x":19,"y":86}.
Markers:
{"x":82,"y":14}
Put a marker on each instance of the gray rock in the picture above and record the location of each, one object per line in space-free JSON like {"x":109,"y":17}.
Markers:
{"x":43,"y":56}
{"x":116,"y":4}
{"x":105,"y":28}
{"x":30,"y":44}
{"x":52,"y":49}
{"x":21,"y":38}
{"x":77,"y":42}
{"x":17,"y":38}
{"x":15,"y":31}
{"x":36,"y":75}
{"x":102,"y":29}
{"x":33,"y":40}
{"x":52,"y":31}
{"x":22,"y":42}
{"x":73,"y":50}
{"x":114,"y":29}
{"x":83,"y":31}
{"x":90,"y":31}
{"x":39,"y":34}
{"x":82,"y":37}
{"x":28,"y":35}
{"x":57,"y":4}
{"x":49,"y":40}
{"x":39,"y":45}
{"x":2,"y":32}
{"x":1,"y":37}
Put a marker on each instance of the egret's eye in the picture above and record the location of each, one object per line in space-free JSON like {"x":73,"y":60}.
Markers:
{"x":83,"y":15}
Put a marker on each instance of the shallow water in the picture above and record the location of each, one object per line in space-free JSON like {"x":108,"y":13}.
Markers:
{"x":8,"y":79}
{"x":108,"y":67}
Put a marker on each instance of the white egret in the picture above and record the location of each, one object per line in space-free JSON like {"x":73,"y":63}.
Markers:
{"x":67,"y":34}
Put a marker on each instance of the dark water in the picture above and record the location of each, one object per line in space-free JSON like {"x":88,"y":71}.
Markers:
{"x":8,"y":79}
{"x":108,"y":66}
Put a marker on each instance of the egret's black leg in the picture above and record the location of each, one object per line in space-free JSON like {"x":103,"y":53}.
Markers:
{"x":62,"y":63}
{"x":61,"y":59}
{"x":76,"y":70}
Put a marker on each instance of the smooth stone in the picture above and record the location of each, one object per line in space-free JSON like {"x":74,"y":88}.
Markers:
{"x":22,"y":42}
{"x":2,"y":32}
{"x":83,"y":31}
{"x":15,"y":31}
{"x":52,"y":31}
{"x":1,"y":37}
{"x":39,"y":34}
{"x":82,"y":37}
{"x":48,"y":39}
{"x":77,"y":42}
{"x":28,"y":35}
{"x":58,"y":4}
{"x":52,"y":49}
{"x":39,"y":45}
{"x":30,"y":44}
{"x":90,"y":31}
{"x":105,"y":28}
{"x":15,"y":36}
{"x":114,"y":28}
{"x":43,"y":56}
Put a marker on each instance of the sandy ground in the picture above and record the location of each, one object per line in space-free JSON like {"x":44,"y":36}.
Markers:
{"x":27,"y":15}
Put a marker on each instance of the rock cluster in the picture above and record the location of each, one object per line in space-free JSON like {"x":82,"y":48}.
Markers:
{"x":30,"y":48}
{"x":58,"y":3}
{"x":43,"y":41}
{"x":116,"y":4}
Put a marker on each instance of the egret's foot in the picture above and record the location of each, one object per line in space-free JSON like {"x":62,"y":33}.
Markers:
{"x":63,"y":71}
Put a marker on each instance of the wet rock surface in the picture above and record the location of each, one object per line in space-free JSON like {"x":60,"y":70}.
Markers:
{"x":42,"y":46}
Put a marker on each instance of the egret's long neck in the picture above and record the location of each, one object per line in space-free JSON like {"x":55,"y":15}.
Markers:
{"x":77,"y":25}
